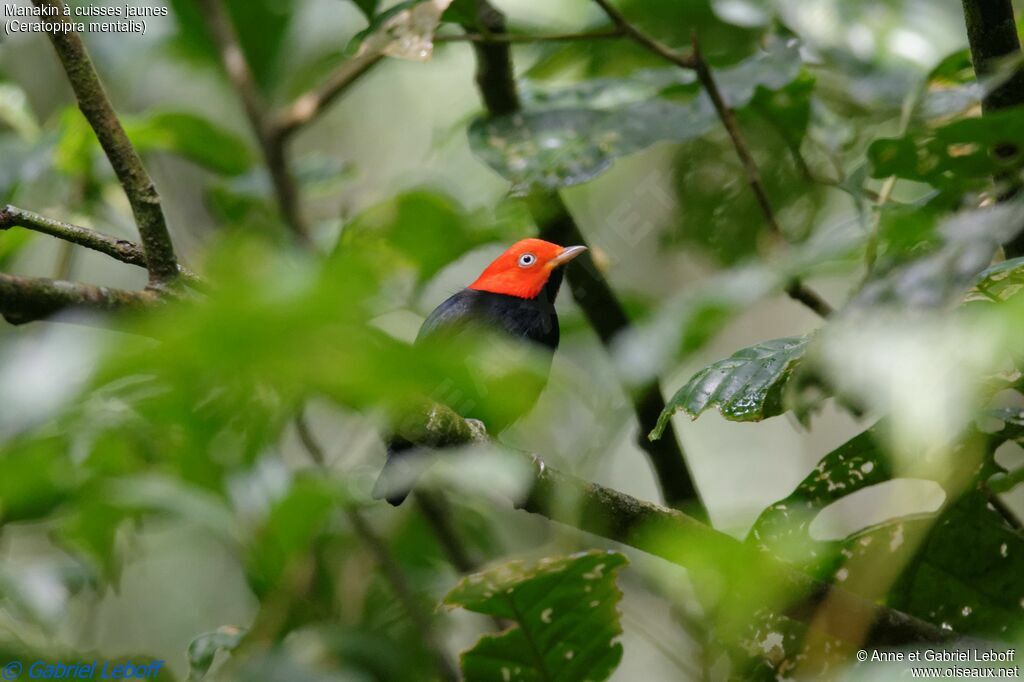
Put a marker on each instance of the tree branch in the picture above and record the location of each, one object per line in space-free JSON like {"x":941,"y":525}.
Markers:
{"x":686,"y":61}
{"x":681,"y":539}
{"x":271,"y":145}
{"x":123,"y":250}
{"x":25,"y":299}
{"x":310,"y":105}
{"x":138,"y":186}
{"x":496,"y":81}
{"x":992,"y":35}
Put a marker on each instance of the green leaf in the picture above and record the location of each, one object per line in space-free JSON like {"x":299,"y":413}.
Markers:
{"x":192,"y":137}
{"x":261,"y":26}
{"x":956,"y":157}
{"x":425,"y":230}
{"x":12,"y":243}
{"x":367,"y":7}
{"x":405,"y":31}
{"x":565,"y":615}
{"x":556,"y":146}
{"x":16,"y":113}
{"x":969,"y":240}
{"x":203,"y":649}
{"x":37,"y":478}
{"x":967,"y":574}
{"x":288,"y":532}
{"x":1001,"y":281}
{"x":746,"y":386}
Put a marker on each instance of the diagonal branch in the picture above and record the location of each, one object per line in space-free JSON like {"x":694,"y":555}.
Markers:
{"x":138,"y":186}
{"x":308,"y":106}
{"x":685,"y":61}
{"x":26,"y":299}
{"x":682,"y":540}
{"x":796,"y":290}
{"x":593,"y":294}
{"x":123,"y":250}
{"x":240,"y":75}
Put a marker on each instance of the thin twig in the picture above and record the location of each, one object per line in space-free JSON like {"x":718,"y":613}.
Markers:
{"x":797,"y":290}
{"x":392,"y":572}
{"x":310,"y":105}
{"x":526,"y":38}
{"x":406,"y":596}
{"x":123,"y":250}
{"x":686,"y":61}
{"x":137,"y":185}
{"x":695,"y":61}
{"x":286,"y":189}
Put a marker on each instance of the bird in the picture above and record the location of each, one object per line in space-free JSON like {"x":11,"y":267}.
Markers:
{"x":514,"y":295}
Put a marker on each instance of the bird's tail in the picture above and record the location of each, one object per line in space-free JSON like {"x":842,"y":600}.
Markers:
{"x":399,"y":473}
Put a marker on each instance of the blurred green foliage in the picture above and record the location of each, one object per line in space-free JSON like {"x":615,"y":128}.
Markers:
{"x":186,"y":415}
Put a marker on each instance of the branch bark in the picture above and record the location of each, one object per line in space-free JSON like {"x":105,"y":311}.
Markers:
{"x":26,"y":299}
{"x":138,"y":186}
{"x":271,"y":144}
{"x":496,"y":81}
{"x":123,"y":250}
{"x":684,"y":541}
{"x":992,"y":35}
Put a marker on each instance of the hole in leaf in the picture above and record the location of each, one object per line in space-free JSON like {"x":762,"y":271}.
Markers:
{"x":874,"y":505}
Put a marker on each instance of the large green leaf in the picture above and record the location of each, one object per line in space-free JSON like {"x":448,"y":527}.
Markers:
{"x":192,"y":137}
{"x":967,"y":574}
{"x":554,"y":145}
{"x":565,"y":615}
{"x":746,"y":386}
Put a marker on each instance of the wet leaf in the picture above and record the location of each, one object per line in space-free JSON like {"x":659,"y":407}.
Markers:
{"x":573,"y":136}
{"x":746,"y":386}
{"x":203,"y":649}
{"x":405,"y":31}
{"x":565,"y":615}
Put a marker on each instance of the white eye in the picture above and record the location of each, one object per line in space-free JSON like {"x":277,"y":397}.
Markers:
{"x":526,"y":260}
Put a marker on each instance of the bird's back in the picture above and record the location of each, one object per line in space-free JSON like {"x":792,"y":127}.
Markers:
{"x":531,"y":320}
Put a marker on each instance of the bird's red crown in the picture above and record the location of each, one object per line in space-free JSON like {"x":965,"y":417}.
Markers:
{"x":523,"y":270}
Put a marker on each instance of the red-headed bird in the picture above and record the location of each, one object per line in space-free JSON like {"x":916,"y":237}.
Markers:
{"x":514,"y":295}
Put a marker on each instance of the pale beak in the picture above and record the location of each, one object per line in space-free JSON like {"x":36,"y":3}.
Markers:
{"x":566,"y":255}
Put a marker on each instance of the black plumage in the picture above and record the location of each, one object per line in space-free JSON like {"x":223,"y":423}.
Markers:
{"x":532,"y":319}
